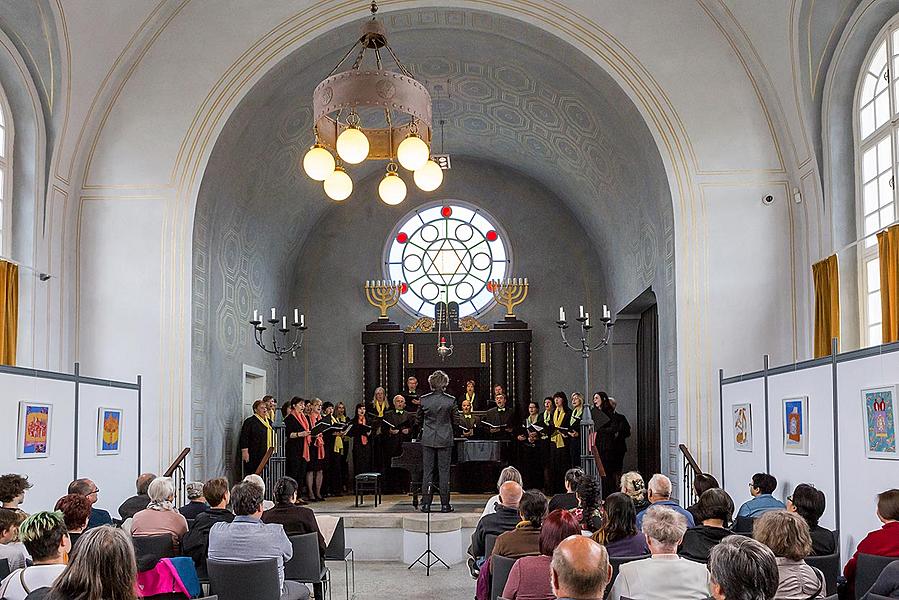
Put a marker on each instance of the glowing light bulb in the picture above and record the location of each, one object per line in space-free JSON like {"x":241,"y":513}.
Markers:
{"x":429,"y":177}
{"x":318,"y":163}
{"x":352,"y":145}
{"x":413,"y":152}
{"x":392,"y":189}
{"x":339,"y":186}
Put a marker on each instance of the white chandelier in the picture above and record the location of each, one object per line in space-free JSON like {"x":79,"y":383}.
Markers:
{"x":402,"y":136}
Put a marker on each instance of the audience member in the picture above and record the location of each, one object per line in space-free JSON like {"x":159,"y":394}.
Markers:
{"x":45,"y":538}
{"x":160,"y":515}
{"x":507,"y":474}
{"x":786,"y":534}
{"x":761,"y":487}
{"x":633,"y":485}
{"x":257,"y":480}
{"x":295,"y":519}
{"x":619,"y":532}
{"x":102,"y":566}
{"x":11,"y":550}
{"x":247,"y":538}
{"x":524,"y":539}
{"x":135,"y":504}
{"x":714,"y":512}
{"x":742,"y":569}
{"x":665,"y":575}
{"x":568,"y":500}
{"x":195,"y":542}
{"x":887,"y":583}
{"x":504,"y":519}
{"x":196,"y":503}
{"x":809,"y":503}
{"x":589,"y":510}
{"x":580,"y":569}
{"x":529,"y":578}
{"x":660,"y":495}
{"x":76,"y":511}
{"x":701,"y":483}
{"x":12,"y":490}
{"x":89,"y":490}
{"x":880,"y":542}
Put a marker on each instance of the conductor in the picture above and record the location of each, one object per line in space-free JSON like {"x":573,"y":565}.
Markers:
{"x":436,"y":417}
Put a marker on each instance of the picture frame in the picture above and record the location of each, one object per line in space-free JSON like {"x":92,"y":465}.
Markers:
{"x":741,"y":423}
{"x":109,"y":431}
{"x":33,"y":438}
{"x":879,"y":417}
{"x":794,"y":416}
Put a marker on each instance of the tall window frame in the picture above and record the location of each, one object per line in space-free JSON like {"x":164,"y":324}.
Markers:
{"x":6,"y":156}
{"x":876,"y":129}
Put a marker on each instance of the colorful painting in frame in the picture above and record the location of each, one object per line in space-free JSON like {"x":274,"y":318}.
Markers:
{"x":879,"y":406}
{"x":742,"y":427}
{"x":109,"y":431}
{"x":795,"y":424}
{"x":34,"y":430}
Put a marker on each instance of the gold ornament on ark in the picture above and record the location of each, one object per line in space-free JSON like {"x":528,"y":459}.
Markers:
{"x":509,"y":292}
{"x":422,"y":324}
{"x":469,"y":324}
{"x":383,"y":295}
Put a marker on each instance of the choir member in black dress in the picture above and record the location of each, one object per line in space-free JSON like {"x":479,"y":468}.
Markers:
{"x":501,"y":420}
{"x":294,"y":433}
{"x":400,"y":425}
{"x":546,"y":419}
{"x":477,"y":403}
{"x":468,"y":422}
{"x":529,"y":451}
{"x":338,"y":466}
{"x":314,"y":453}
{"x":574,"y":425}
{"x":413,"y":400}
{"x":559,"y":454}
{"x":612,"y":431}
{"x":379,"y":436}
{"x":331,"y":483}
{"x":361,"y":441}
{"x":256,"y":437}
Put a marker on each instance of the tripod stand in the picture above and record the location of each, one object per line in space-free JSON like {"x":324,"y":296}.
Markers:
{"x":428,"y":558}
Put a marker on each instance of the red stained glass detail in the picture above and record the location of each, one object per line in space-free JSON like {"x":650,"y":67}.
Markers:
{"x":402,"y":237}
{"x":446,"y":211}
{"x":490,"y":286}
{"x":492,"y":236}
{"x":404,"y":288}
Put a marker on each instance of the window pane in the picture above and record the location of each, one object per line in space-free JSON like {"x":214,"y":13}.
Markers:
{"x":874,"y":307}
{"x":867,"y":89}
{"x":867,"y":120}
{"x":873,"y":268}
{"x":874,"y":335}
{"x":869,"y":164}
{"x":884,"y":155}
{"x":2,"y":187}
{"x":886,"y":215}
{"x":881,"y":109}
{"x":872,"y":224}
{"x":2,"y":142}
{"x":870,"y":198}
{"x":886,"y":193}
{"x":879,"y":60}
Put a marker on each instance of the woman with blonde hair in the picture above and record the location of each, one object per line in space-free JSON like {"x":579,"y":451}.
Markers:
{"x":102,"y":567}
{"x":787,"y":535}
{"x":507,"y":474}
{"x":633,"y":485}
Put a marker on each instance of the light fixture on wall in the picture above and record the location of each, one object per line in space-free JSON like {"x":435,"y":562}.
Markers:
{"x":397,"y":128}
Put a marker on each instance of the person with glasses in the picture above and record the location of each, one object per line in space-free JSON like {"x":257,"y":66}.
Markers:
{"x":809,"y":503}
{"x":761,"y":487}
{"x":87,"y":488}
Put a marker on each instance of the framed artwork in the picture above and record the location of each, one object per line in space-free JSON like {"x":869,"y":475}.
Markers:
{"x":879,"y":406}
{"x":34,"y":430}
{"x":109,"y":431}
{"x":742,"y":427}
{"x":795,"y":424}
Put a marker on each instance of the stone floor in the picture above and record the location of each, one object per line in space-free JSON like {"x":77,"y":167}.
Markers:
{"x":393,"y":581}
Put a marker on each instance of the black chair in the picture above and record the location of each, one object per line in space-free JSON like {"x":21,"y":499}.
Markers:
{"x":367,"y":483}
{"x":616,"y":562}
{"x":337,"y":551}
{"x":500,"y":566}
{"x":868,"y":570}
{"x":4,"y":568}
{"x":306,"y":566}
{"x":150,"y":549}
{"x":489,"y":543}
{"x":743,"y":525}
{"x":242,"y":580}
{"x":830,"y":566}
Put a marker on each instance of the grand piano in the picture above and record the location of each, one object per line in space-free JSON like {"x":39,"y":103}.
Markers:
{"x":465,"y":452}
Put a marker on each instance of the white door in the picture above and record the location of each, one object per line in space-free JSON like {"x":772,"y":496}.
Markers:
{"x":253,"y":388}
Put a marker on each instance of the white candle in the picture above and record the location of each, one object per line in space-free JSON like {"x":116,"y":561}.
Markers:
{"x":284,"y":322}
{"x":561,"y":314}
{"x":587,"y":316}
{"x":273,"y":314}
{"x":581,"y":308}
{"x":302,"y":320}
{"x":255,"y":315}
{"x":296,"y":315}
{"x":525,"y":280}
{"x":605,"y":311}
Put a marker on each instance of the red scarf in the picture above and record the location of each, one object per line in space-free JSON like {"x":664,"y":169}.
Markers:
{"x":361,"y":421}
{"x":308,"y":440}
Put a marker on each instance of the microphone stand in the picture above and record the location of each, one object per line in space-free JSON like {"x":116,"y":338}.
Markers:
{"x":428,"y":558}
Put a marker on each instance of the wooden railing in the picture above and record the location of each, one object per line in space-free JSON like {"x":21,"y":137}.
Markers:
{"x":274,"y":464}
{"x":691,"y":470}
{"x":179,"y":475}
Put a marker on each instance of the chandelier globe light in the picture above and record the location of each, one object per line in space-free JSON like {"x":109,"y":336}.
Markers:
{"x":397,"y":112}
{"x":429,"y":177}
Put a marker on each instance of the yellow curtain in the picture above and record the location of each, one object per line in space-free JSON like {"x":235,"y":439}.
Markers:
{"x":826,"y":275}
{"x":9,"y":311}
{"x":888,"y":248}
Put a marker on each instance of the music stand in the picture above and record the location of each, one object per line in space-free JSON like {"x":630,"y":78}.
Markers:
{"x":428,"y":558}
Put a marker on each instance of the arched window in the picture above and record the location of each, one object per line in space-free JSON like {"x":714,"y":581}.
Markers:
{"x":876,"y":136}
{"x":5,"y":174}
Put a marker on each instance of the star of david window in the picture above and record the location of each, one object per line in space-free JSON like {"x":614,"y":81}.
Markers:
{"x":447,"y":252}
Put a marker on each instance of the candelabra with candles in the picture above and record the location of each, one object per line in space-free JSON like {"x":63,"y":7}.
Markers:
{"x":509,"y":293}
{"x":586,"y":348}
{"x":282,"y":346}
{"x":383,"y":294}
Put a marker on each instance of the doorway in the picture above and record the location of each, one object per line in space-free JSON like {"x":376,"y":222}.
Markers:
{"x":648,"y":405}
{"x":254,"y":388}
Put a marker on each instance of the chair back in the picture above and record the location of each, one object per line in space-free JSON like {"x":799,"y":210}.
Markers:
{"x":868,"y":570}
{"x":4,"y":568}
{"x":616,"y":562}
{"x":743,"y":525}
{"x":489,"y":543}
{"x":830,"y":566}
{"x":305,"y":565}
{"x":336,"y":549}
{"x":150,"y":549}
{"x":500,"y":566}
{"x":242,"y":580}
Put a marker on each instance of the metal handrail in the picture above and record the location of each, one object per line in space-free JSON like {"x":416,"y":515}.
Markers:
{"x":179,"y":475}
{"x":691,"y":470}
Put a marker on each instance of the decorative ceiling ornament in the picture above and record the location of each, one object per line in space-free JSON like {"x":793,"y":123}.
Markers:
{"x":397,"y":121}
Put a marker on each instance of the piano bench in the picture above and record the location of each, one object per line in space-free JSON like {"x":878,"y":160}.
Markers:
{"x":368,"y":483}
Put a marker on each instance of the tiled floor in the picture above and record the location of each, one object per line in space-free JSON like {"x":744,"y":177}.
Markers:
{"x":393,"y":581}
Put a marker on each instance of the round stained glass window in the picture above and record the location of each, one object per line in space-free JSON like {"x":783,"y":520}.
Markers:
{"x":447,"y":253}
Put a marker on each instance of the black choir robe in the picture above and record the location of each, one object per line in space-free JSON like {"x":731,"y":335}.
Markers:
{"x":410,"y":396}
{"x":469,"y":421}
{"x":253,"y":437}
{"x":499,"y":416}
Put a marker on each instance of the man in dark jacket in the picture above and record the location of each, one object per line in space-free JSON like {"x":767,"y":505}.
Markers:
{"x":137,"y":503}
{"x":195,"y":542}
{"x":436,"y":417}
{"x":506,"y":518}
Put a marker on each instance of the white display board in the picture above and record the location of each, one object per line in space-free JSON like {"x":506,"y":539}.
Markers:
{"x":739,"y":466}
{"x":817,"y":467}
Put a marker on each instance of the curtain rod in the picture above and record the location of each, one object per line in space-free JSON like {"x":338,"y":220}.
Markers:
{"x":41,"y":275}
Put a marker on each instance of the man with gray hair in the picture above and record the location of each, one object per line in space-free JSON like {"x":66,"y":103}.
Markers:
{"x":665,"y":575}
{"x":658,"y":492}
{"x":580,"y":569}
{"x":743,"y":569}
{"x":436,"y":417}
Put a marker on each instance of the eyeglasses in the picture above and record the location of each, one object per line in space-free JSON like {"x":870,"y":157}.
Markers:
{"x":789,"y":498}
{"x":96,"y":491}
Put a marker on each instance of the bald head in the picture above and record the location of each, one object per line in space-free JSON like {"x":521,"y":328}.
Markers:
{"x":510,"y":494}
{"x":580,"y":569}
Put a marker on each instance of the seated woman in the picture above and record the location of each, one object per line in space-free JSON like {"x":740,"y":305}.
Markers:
{"x":524,"y":539}
{"x":102,"y":566}
{"x":529,"y":578}
{"x":786,"y":534}
{"x":507,"y":474}
{"x":589,"y":510}
{"x":160,"y":517}
{"x":296,"y":519}
{"x":633,"y":485}
{"x":809,"y":503}
{"x":715,"y":510}
{"x":881,"y":542}
{"x":76,"y":510}
{"x":742,"y":569}
{"x":619,"y":532}
{"x":45,"y":538}
{"x":701,"y":483}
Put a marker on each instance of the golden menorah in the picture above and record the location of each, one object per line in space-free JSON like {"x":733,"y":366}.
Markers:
{"x":383,"y":294}
{"x":509,"y":292}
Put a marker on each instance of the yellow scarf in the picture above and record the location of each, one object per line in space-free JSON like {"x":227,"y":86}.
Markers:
{"x":380,"y":408}
{"x":558,"y":419}
{"x":269,"y":432}
{"x":338,"y":441}
{"x":575,"y":414}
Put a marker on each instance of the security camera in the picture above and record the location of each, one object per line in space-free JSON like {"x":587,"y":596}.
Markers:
{"x":769,"y":199}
